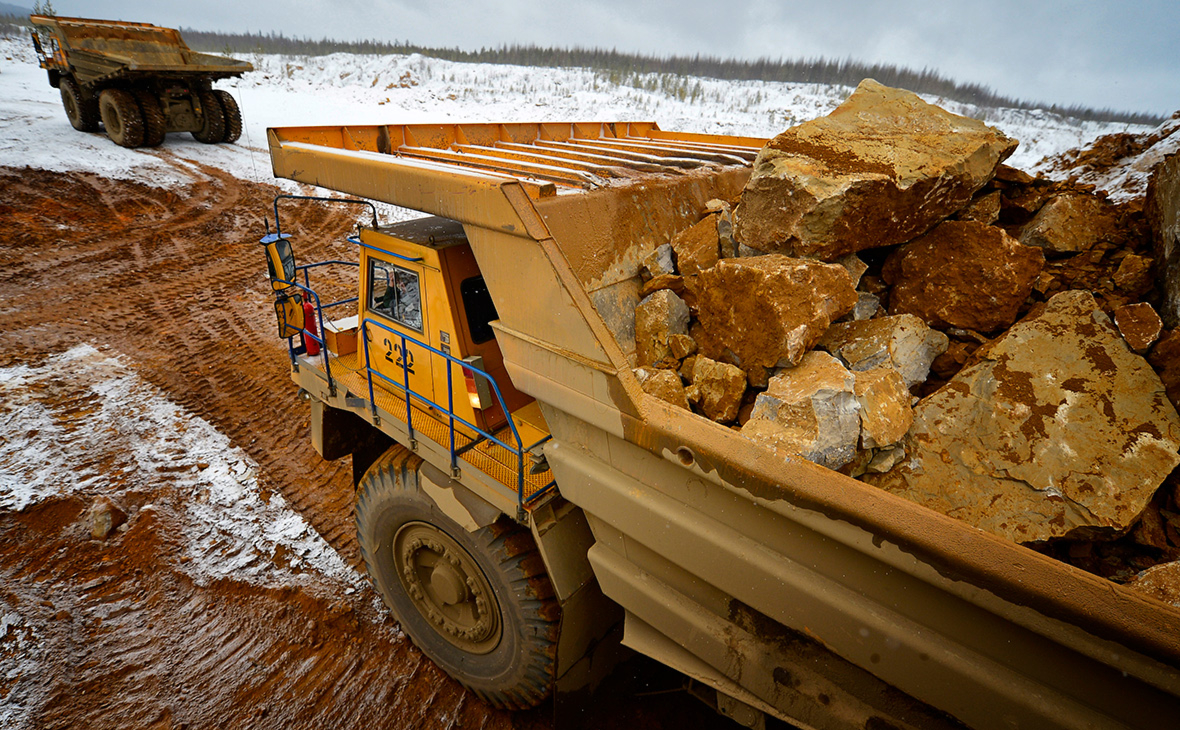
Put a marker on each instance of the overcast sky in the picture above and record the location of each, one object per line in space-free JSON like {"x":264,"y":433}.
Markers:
{"x":1097,"y":53}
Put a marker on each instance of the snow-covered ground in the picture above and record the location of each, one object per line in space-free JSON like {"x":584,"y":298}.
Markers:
{"x":87,"y":440}
{"x":358,"y":89}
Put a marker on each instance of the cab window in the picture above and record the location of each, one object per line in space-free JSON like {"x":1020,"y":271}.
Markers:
{"x":394,"y":292}
{"x":477,"y":302}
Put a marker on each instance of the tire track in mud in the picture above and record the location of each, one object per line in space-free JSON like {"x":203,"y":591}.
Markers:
{"x":173,"y":280}
{"x":176,"y":283}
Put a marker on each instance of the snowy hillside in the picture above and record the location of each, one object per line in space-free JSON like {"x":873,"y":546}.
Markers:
{"x":350,"y":89}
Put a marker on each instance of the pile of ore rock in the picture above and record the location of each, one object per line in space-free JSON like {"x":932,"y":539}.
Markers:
{"x":888,"y":299}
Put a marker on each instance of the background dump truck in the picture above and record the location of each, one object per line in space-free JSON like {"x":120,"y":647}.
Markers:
{"x":140,"y":80}
{"x":519,"y":497}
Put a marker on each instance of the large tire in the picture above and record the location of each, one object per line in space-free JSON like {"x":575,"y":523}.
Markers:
{"x":212,"y":128}
{"x":155,"y":126}
{"x":233,"y":115}
{"x":479,"y":604}
{"x":81,"y":108}
{"x":121,"y":117}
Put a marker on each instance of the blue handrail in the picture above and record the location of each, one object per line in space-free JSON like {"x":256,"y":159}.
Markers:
{"x":519,"y":450}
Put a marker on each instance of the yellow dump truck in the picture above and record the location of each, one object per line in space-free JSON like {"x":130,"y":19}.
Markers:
{"x":521,"y":501}
{"x":140,"y":80}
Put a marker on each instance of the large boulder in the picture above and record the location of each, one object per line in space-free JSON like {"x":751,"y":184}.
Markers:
{"x":1056,"y":430}
{"x":663,"y":384}
{"x":885,"y":413}
{"x":1163,"y":211}
{"x":879,"y":170}
{"x":1070,"y":223}
{"x":963,"y":274}
{"x":717,"y":388}
{"x":697,"y":247}
{"x":903,"y":342}
{"x":660,"y":319}
{"x":810,"y":410}
{"x":768,"y":310}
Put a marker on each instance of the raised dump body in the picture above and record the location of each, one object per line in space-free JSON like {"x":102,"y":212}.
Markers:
{"x":140,"y":80}
{"x":791,"y":590}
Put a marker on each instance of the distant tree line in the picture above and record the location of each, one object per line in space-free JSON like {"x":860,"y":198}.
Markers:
{"x":846,"y":72}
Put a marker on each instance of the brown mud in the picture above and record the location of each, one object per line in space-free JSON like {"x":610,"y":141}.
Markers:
{"x":172,"y":281}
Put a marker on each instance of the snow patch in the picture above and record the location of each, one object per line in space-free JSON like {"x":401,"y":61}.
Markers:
{"x":21,"y":671}
{"x":85,"y":423}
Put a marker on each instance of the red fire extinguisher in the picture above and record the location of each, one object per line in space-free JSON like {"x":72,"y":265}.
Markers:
{"x":309,"y":324}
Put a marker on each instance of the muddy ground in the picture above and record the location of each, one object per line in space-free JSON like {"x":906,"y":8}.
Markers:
{"x":169,"y":285}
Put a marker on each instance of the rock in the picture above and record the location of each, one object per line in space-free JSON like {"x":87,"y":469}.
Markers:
{"x":104,"y":517}
{"x":963,"y":274}
{"x":951,"y":362}
{"x":768,"y":310}
{"x":886,"y":459}
{"x":758,"y":377}
{"x":1165,"y":358}
{"x":1139,"y":325}
{"x":1163,"y":213}
{"x":1134,"y":275}
{"x":1150,"y":529}
{"x":681,"y":346}
{"x":727,"y":245}
{"x":885,"y":413}
{"x":879,"y":170}
{"x":867,"y":306}
{"x":744,"y":251}
{"x":698,"y":247}
{"x":984,"y":209}
{"x":1070,"y":223}
{"x":1009,"y":174}
{"x":810,"y":410}
{"x":657,"y":318}
{"x":718,"y":388}
{"x":902,"y":341}
{"x":671,"y":282}
{"x":1160,"y":581}
{"x":856,"y":267}
{"x":1057,"y":430}
{"x":663,"y":384}
{"x":657,"y":263}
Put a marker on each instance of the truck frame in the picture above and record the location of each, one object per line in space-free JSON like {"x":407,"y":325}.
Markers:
{"x":520,"y":498}
{"x":140,"y":80}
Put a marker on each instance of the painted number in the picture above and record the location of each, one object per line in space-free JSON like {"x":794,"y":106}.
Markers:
{"x":392,"y":349}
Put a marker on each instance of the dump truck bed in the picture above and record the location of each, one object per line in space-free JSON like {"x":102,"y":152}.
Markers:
{"x":795,"y":589}
{"x":100,"y":51}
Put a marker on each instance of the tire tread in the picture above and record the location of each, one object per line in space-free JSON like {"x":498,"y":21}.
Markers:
{"x":507,"y":546}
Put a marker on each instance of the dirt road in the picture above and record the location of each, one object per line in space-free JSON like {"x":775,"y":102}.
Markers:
{"x":162,"y":291}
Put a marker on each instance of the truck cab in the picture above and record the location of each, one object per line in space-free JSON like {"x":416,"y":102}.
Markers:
{"x":420,"y":280}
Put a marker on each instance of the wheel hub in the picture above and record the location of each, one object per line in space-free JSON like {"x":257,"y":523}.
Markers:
{"x":447,"y":587}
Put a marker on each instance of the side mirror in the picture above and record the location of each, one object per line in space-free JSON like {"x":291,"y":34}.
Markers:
{"x":280,"y":260}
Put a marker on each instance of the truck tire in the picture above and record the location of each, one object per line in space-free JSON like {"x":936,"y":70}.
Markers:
{"x":212,"y":128}
{"x":155,"y":126}
{"x":81,"y":109}
{"x":121,"y":117}
{"x":479,"y":604}
{"x":233,"y":115}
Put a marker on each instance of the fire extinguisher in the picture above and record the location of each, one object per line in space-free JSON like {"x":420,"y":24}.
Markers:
{"x":309,"y":324}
